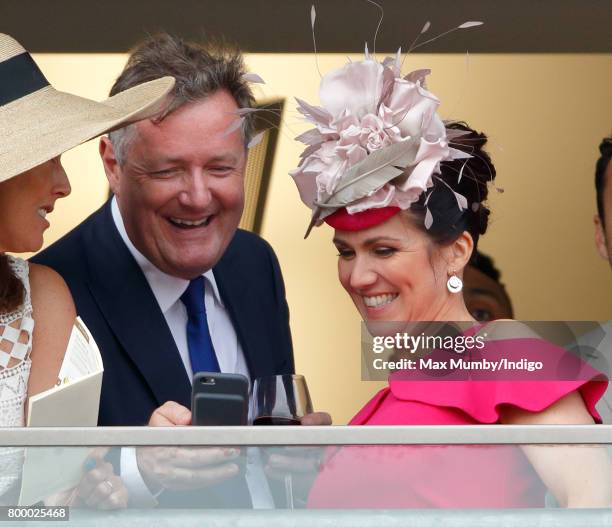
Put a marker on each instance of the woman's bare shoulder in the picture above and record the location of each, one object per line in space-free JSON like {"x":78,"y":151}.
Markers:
{"x":54,"y":313}
{"x":48,"y":289}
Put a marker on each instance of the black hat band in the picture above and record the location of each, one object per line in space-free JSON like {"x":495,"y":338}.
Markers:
{"x":20,"y":77}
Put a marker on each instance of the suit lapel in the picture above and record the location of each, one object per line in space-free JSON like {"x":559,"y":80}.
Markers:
{"x":131,"y":310}
{"x":243,"y":305}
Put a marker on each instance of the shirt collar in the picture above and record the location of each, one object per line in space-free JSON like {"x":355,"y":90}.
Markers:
{"x":167,"y":289}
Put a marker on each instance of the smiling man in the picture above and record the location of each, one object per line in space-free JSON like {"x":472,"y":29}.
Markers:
{"x":180,"y":187}
{"x":161,"y":274}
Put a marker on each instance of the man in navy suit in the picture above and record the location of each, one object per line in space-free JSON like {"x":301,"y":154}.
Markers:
{"x":170,"y":228}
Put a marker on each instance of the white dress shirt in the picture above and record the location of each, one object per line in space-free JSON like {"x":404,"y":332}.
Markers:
{"x":167,"y":291}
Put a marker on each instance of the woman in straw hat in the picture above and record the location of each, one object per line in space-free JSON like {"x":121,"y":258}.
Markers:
{"x":38,"y":124}
{"x":405,"y":194}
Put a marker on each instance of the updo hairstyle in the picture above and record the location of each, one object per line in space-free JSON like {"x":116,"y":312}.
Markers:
{"x":448,"y":220}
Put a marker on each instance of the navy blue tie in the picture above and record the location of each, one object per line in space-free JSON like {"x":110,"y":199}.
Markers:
{"x":201,"y":351}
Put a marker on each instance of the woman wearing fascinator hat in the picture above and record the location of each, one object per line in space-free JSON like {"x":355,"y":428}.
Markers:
{"x":406,"y":196}
{"x":38,"y":124}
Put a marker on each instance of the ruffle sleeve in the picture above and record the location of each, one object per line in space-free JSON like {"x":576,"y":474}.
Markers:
{"x":482,"y":396}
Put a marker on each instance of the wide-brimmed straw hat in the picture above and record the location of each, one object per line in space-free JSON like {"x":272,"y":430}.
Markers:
{"x":38,"y":123}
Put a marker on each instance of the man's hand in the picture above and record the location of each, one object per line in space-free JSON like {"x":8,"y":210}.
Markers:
{"x":178,"y":468}
{"x":170,"y":414}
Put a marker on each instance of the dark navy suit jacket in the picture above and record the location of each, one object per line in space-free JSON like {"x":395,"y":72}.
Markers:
{"x":142,"y":366}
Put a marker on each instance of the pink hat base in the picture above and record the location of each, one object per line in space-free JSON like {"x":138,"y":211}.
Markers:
{"x":343,"y":221}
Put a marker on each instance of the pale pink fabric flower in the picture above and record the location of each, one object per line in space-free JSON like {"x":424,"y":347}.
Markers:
{"x":366,"y":107}
{"x":355,"y":89}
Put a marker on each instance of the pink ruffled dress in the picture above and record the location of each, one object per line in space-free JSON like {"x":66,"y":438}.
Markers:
{"x":453,"y":476}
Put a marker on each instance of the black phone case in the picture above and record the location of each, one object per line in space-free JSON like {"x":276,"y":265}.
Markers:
{"x":219,"y":399}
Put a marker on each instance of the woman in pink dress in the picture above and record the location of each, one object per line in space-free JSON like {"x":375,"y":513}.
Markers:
{"x":406,"y":195}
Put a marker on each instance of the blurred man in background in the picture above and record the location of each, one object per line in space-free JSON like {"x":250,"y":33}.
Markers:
{"x":603,"y":242}
{"x":603,"y":189}
{"x":485,"y":296}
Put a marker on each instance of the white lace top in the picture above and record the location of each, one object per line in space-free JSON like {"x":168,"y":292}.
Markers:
{"x":15,"y":347}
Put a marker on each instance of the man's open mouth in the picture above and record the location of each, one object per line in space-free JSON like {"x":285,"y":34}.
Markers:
{"x":182,"y":223}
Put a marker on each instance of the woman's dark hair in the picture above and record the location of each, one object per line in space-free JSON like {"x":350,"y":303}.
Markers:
{"x":11,"y":288}
{"x":449,"y":221}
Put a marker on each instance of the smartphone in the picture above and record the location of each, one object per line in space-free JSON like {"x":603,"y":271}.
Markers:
{"x":219,"y":399}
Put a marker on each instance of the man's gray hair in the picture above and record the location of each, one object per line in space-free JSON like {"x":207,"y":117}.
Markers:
{"x":199,"y":71}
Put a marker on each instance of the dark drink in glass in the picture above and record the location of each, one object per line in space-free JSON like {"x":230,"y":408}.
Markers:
{"x":267,"y":420}
{"x":280,"y":400}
